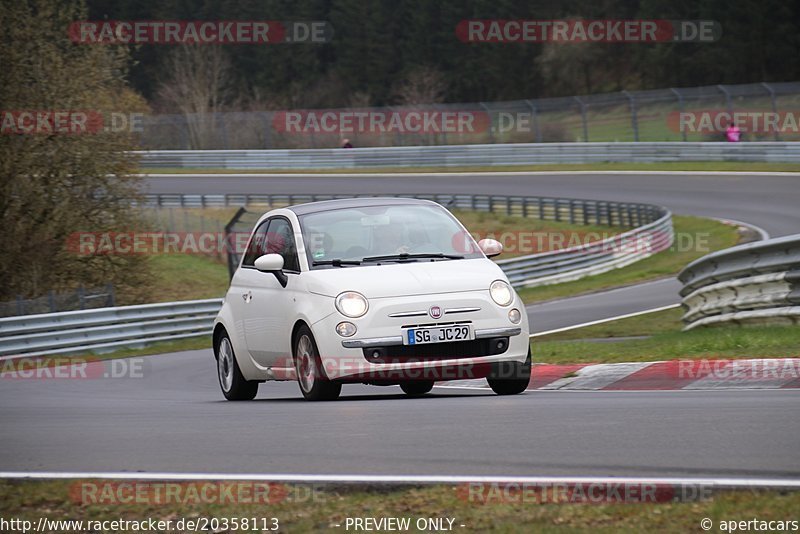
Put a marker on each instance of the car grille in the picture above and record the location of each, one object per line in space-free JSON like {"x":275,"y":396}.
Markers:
{"x":436,"y":351}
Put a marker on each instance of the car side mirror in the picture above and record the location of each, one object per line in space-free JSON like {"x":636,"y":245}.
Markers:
{"x":272,"y":263}
{"x":490,"y":247}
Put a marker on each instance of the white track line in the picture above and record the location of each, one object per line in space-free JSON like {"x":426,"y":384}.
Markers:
{"x":723,"y":482}
{"x":460,"y":174}
{"x":606,"y":320}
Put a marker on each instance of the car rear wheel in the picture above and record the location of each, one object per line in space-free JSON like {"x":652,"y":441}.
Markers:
{"x":314,"y":384}
{"x":510,"y":378}
{"x":233,"y":384}
{"x":416,"y":388}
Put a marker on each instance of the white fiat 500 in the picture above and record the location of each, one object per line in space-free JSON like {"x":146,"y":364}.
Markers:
{"x":381,"y":291}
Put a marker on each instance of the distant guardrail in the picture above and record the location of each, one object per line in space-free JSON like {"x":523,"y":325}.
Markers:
{"x":473,"y":155}
{"x":755,"y":283}
{"x":651,"y":228}
{"x":106,"y":329}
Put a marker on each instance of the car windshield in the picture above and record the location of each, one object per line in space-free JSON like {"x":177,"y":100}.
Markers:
{"x":384,"y":234}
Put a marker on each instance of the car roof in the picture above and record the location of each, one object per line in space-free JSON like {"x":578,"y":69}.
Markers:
{"x":343,"y":203}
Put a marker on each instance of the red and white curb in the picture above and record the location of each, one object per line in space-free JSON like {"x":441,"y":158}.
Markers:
{"x":768,"y":373}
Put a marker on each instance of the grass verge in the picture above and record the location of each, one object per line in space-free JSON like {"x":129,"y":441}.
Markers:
{"x":695,"y":237}
{"x":330,"y":506}
{"x":190,"y":277}
{"x":641,"y":325}
{"x":187,"y":277}
{"x":529,"y":235}
{"x":733,"y":166}
{"x":667,"y":344}
{"x":159,"y":347}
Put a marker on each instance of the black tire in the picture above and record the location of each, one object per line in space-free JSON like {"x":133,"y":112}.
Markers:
{"x":311,"y":377}
{"x":416,"y":388}
{"x":510,"y":378}
{"x":233,"y":384}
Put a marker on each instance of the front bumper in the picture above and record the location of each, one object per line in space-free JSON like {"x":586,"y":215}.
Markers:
{"x":398,"y":340}
{"x":383,"y":356}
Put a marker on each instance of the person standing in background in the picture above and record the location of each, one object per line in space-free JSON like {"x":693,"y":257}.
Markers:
{"x":733,"y":133}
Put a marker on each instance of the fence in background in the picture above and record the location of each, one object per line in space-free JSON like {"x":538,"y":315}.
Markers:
{"x":609,"y":117}
{"x":651,"y":229}
{"x":755,"y":283}
{"x":473,"y":155}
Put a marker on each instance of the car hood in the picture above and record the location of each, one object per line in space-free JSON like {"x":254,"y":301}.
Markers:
{"x":404,"y":279}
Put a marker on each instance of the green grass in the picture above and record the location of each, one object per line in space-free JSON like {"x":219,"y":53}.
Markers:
{"x":733,"y":166}
{"x":641,"y":325}
{"x":159,"y":347}
{"x":712,"y":343}
{"x":523,"y":232}
{"x":195,"y":276}
{"x":331,"y":505}
{"x":179,"y":219}
{"x":715,"y":236}
{"x":187,"y":277}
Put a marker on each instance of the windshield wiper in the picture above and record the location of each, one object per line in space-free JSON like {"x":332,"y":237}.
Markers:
{"x":412,"y":257}
{"x":336,"y":262}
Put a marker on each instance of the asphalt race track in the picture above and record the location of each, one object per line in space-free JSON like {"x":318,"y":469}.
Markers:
{"x":173,"y":418}
{"x":771,"y":201}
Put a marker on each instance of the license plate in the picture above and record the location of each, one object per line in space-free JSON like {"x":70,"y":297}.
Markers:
{"x":437,"y":334}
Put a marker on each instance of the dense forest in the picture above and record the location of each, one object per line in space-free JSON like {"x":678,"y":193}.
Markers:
{"x":379,"y":45}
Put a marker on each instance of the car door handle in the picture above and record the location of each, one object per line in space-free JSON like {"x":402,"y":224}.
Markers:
{"x":247,"y":297}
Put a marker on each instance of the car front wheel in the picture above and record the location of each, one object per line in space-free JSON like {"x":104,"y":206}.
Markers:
{"x":233,"y":384}
{"x":416,"y":388}
{"x":510,"y":378}
{"x":314,"y":384}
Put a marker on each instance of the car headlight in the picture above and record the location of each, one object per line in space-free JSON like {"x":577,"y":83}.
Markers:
{"x":352,"y":304}
{"x":501,"y":293}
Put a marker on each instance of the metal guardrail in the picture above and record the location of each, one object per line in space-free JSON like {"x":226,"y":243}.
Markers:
{"x":590,"y":259}
{"x":105,"y":329}
{"x":651,"y":228}
{"x":756,"y":283}
{"x":472,"y":155}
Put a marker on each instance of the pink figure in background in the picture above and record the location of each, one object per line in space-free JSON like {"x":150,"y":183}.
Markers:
{"x":733,"y":133}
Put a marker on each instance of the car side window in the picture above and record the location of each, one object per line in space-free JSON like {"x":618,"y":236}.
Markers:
{"x":280,"y":240}
{"x":257,"y":246}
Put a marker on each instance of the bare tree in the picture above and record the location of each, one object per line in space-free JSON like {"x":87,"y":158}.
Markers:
{"x":423,"y":85}
{"x":55,"y":188}
{"x":198,"y":85}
